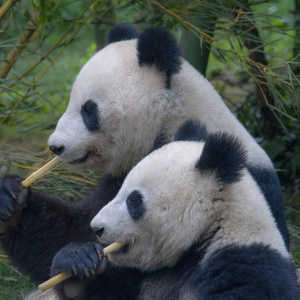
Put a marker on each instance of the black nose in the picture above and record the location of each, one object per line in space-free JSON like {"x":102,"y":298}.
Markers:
{"x":57,"y":149}
{"x":98,"y":231}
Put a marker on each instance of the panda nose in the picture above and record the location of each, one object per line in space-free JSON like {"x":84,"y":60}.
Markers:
{"x":98,"y":231}
{"x":57,"y":149}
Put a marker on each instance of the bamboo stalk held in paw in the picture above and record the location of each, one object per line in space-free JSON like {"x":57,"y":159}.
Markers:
{"x":62,"y":276}
{"x":41,"y":172}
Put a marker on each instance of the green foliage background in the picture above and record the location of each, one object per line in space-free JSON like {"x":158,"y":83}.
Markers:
{"x":65,"y":34}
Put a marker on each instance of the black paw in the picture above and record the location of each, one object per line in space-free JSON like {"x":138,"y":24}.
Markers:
{"x":13,"y":198}
{"x":81,"y":260}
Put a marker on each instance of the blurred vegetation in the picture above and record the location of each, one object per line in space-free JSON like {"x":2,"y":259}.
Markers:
{"x":251,"y":53}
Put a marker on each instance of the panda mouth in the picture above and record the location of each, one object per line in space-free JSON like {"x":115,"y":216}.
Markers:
{"x":122,"y":250}
{"x":82,"y":159}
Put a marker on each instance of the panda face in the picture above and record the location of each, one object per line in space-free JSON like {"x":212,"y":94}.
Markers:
{"x":120,"y":102}
{"x":187,"y":193}
{"x":163,"y":207}
{"x":106,"y":124}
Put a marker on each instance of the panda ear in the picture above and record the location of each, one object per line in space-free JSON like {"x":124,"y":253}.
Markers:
{"x":122,"y":32}
{"x":224,"y":155}
{"x":191,"y":130}
{"x":158,"y":47}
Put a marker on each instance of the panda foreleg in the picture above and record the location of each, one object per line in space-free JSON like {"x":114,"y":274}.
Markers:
{"x":35,"y":226}
{"x":79,"y":259}
{"x":268,"y":182}
{"x":40,"y":224}
{"x":248,"y":272}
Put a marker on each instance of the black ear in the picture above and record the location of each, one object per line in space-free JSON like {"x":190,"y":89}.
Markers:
{"x":122,"y":32}
{"x":224,"y":155}
{"x":158,"y":47}
{"x":191,"y":130}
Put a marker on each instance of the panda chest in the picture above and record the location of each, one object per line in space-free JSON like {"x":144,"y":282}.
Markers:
{"x":168,"y":284}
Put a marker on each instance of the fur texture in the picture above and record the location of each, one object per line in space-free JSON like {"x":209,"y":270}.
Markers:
{"x":191,"y":199}
{"x":141,"y":101}
{"x":218,"y":222}
{"x":254,"y":272}
{"x":224,"y":155}
{"x":127,"y":80}
{"x":157,"y":47}
{"x":191,"y":130}
{"x":122,"y":32}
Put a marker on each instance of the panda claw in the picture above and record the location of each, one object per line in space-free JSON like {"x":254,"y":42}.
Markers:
{"x":13,"y":195}
{"x":74,"y":270}
{"x":86,"y":272}
{"x":22,"y":197}
{"x":99,"y":254}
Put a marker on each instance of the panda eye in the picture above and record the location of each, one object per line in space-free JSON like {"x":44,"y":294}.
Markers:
{"x":135,"y":205}
{"x":90,"y":116}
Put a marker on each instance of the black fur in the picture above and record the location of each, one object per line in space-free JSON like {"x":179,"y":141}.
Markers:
{"x":79,"y":259}
{"x":40,"y":225}
{"x":225,"y":275}
{"x":158,"y":47}
{"x":114,"y":283}
{"x":191,"y":130}
{"x":122,"y":32}
{"x":223,"y":154}
{"x":13,"y":200}
{"x":269,"y":184}
{"x":90,"y":115}
{"x":254,"y":272}
{"x":168,"y":282}
{"x":135,"y":205}
{"x":47,"y":224}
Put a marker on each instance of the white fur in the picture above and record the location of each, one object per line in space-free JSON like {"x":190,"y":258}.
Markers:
{"x":182,"y":205}
{"x":135,"y":108}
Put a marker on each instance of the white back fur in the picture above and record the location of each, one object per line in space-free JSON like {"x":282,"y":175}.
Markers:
{"x":182,"y":205}
{"x":135,"y":108}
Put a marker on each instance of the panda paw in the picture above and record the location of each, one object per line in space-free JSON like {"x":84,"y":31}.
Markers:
{"x":13,"y":198}
{"x":78,"y":259}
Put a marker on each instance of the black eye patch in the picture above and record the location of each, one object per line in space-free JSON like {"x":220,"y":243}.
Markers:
{"x":135,"y":205}
{"x":90,"y":116}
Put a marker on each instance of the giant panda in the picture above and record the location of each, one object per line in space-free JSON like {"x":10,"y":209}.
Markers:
{"x":126,"y":101}
{"x":196,"y":224}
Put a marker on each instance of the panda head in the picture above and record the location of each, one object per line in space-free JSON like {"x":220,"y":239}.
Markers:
{"x":169,"y":199}
{"x":118,"y":101}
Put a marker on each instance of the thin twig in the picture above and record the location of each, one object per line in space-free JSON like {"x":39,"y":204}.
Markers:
{"x":21,"y":44}
{"x":5,"y":7}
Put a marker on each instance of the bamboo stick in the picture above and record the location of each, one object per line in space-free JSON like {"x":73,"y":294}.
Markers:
{"x":5,"y":7}
{"x":62,"y":276}
{"x":21,"y":43}
{"x":41,"y":172}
